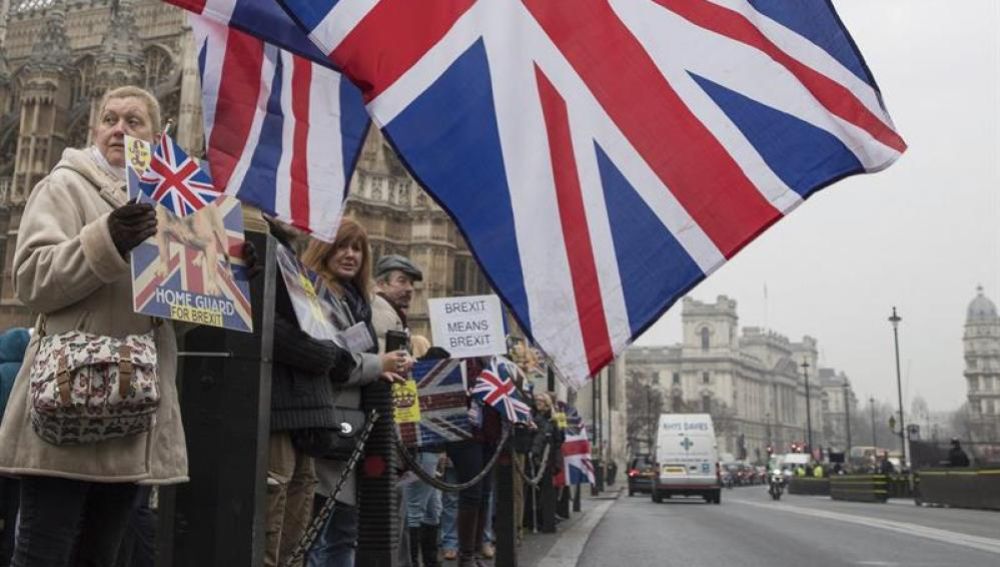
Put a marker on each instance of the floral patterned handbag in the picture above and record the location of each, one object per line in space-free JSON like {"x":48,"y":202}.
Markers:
{"x":86,"y":388}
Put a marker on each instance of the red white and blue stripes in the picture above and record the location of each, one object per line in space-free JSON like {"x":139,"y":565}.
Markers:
{"x":281,"y":131}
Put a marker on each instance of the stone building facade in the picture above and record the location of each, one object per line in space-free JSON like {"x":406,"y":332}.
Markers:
{"x":982,"y":372}
{"x":752,"y":382}
{"x":838,"y":405}
{"x":57,"y":57}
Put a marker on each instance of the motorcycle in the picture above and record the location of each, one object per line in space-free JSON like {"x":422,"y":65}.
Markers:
{"x":776,"y":484}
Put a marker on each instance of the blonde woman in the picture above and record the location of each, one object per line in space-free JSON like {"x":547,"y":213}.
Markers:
{"x":345,"y":266}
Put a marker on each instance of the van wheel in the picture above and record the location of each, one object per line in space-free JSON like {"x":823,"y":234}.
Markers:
{"x":717,"y":497}
{"x":656,"y":497}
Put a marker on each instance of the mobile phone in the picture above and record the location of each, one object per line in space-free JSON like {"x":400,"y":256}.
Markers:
{"x":397,"y":340}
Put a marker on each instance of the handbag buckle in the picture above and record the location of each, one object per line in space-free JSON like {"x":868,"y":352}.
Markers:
{"x":63,"y":380}
{"x":125,"y":370}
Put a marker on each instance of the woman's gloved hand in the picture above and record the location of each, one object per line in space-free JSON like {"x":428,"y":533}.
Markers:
{"x":250,"y":262}
{"x":130,"y":225}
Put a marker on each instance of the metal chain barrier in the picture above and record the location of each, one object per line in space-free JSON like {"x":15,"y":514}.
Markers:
{"x":430,"y":479}
{"x":307,"y":539}
{"x":533,"y":481}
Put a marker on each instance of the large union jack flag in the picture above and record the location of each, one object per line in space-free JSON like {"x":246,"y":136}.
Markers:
{"x":176,"y":181}
{"x":621,"y":150}
{"x":443,"y":403}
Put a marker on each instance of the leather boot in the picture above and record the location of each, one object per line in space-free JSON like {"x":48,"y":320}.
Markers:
{"x":415,"y":544}
{"x":429,"y":545}
{"x":467,"y":521}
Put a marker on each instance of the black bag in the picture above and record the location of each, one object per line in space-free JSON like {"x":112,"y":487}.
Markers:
{"x":324,"y":443}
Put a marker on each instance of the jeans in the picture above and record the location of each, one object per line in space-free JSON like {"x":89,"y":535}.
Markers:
{"x":335,"y":545}
{"x":449,"y":509}
{"x":138,"y":547}
{"x":423,"y":501}
{"x":469,"y":458}
{"x":491,"y":505}
{"x":57,"y":513}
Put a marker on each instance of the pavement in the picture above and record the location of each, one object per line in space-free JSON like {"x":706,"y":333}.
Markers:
{"x":563,"y":548}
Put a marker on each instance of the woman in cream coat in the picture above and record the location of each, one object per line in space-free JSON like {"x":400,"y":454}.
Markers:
{"x":70,"y":266}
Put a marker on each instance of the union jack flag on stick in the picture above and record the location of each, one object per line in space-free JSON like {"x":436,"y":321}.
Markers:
{"x":494,"y":387}
{"x":176,"y":181}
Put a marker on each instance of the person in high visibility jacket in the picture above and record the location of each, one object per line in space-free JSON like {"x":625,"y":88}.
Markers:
{"x":818,"y":471}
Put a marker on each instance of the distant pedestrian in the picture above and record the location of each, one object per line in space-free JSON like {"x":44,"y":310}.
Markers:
{"x":886,"y":467}
{"x":956,"y":456}
{"x":13,"y":344}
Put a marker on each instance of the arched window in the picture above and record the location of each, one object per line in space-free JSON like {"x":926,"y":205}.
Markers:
{"x":704,"y":338}
{"x":677,"y":404}
{"x":83,"y":80}
{"x":159,"y":66}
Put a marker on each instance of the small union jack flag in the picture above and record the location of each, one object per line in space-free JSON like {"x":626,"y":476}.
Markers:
{"x":495,"y":388}
{"x":175,"y":181}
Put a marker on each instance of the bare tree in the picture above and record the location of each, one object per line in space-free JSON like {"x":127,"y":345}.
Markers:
{"x":645,"y":404}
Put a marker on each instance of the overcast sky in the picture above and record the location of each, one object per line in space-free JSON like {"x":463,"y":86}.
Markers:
{"x":920,"y":235}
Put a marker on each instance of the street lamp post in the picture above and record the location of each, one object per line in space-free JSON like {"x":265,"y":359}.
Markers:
{"x":847,"y":416}
{"x":871,"y":405}
{"x":768,"y":417}
{"x":809,"y":421}
{"x":895,"y":319}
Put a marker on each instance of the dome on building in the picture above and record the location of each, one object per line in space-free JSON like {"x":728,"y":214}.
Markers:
{"x":981,"y":308}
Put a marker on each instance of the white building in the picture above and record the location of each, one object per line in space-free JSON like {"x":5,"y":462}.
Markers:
{"x":753,"y":383}
{"x":982,"y":370}
{"x":839,"y":404}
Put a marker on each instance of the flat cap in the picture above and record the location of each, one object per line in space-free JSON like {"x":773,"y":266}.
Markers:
{"x":392,"y":262}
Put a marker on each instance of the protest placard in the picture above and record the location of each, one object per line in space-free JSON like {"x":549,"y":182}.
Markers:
{"x":468,"y":326}
{"x":191,"y":270}
{"x":307,"y":292}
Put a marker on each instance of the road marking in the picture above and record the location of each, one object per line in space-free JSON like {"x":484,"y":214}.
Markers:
{"x":957,"y":538}
{"x":568,"y":548}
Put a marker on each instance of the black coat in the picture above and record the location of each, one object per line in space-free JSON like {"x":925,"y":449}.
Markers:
{"x":302,"y":395}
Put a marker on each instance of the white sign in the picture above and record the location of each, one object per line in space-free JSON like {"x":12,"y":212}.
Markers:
{"x":468,"y":326}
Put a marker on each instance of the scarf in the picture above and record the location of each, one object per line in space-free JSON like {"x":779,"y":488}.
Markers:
{"x":116,"y":173}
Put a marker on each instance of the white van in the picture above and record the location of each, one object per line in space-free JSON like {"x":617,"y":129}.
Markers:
{"x":687,"y":457}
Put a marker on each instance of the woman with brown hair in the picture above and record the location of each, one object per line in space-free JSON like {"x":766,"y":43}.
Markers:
{"x":345,"y":266}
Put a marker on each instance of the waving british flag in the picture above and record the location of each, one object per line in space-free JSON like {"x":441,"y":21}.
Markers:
{"x":494,"y":387}
{"x":176,"y":181}
{"x":621,"y":150}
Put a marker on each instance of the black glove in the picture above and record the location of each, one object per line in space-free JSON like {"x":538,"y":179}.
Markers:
{"x":131,"y":224}
{"x":252,"y":266}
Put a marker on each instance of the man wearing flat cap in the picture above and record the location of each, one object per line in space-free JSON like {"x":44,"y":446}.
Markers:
{"x":394,"y":279}
{"x":419,"y":503}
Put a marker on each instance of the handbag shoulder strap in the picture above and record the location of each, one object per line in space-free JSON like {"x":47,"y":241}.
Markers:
{"x":40,"y":325}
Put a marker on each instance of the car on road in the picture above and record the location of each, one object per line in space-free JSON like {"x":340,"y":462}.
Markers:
{"x":687,"y":458}
{"x":641,"y":472}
